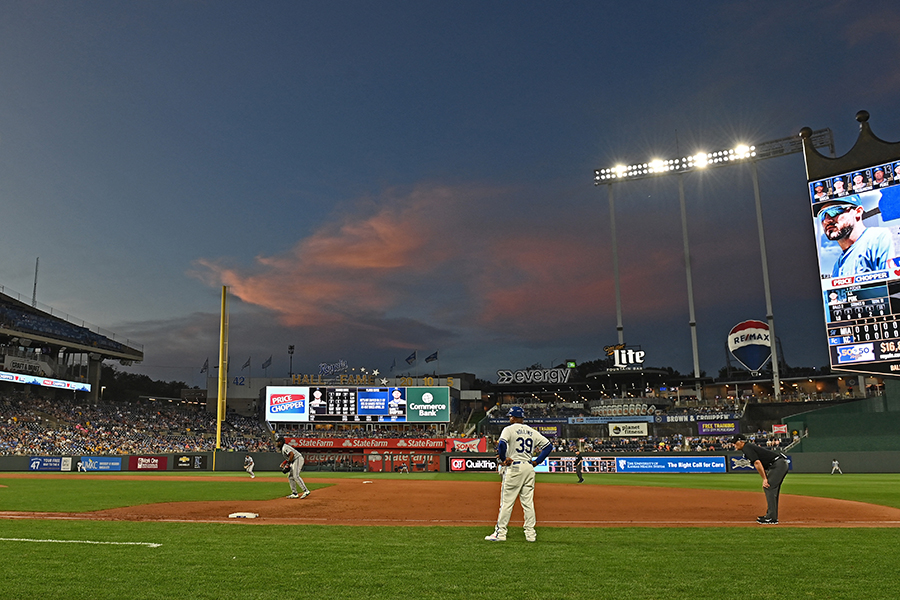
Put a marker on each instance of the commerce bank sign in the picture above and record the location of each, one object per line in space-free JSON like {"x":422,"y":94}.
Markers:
{"x":559,"y":375}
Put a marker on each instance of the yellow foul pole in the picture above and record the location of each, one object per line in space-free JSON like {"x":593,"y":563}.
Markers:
{"x":223,"y":370}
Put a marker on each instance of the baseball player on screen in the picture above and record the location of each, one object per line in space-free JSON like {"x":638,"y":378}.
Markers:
{"x":292,"y":464}
{"x":516,"y":448}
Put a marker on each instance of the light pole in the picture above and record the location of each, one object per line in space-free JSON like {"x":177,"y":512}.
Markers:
{"x":620,"y":329}
{"x":692,"y":319}
{"x":291,"y":358}
{"x":678,"y":166}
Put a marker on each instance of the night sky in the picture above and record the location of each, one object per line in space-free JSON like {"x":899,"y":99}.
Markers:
{"x":371,"y":179}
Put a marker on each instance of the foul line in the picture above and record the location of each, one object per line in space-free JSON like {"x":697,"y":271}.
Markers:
{"x":148,"y":544}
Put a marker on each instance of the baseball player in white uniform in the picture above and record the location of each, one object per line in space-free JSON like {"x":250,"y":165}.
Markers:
{"x":248,"y":465}
{"x":517,"y":448}
{"x":295,"y":461}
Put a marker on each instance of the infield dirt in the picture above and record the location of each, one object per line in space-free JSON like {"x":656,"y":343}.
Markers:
{"x":468,"y":503}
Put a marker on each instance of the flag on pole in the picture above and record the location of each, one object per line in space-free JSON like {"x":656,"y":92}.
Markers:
{"x":246,"y":364}
{"x":411,"y":359}
{"x":205,"y":366}
{"x":268,"y":363}
{"x":393,"y":365}
{"x":432,"y":357}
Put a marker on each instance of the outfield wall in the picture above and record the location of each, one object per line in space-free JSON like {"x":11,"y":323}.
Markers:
{"x":802,"y":462}
{"x":599,"y":464}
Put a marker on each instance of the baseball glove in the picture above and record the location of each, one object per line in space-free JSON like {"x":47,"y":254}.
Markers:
{"x":285,"y":466}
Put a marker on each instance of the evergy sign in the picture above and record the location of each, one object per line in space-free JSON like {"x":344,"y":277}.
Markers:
{"x":534,"y":376}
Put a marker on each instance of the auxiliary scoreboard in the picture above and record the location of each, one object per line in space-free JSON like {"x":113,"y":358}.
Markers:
{"x":358,"y":404}
{"x":856,"y":217}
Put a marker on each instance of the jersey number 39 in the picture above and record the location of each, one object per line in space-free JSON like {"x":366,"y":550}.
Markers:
{"x":525,"y":445}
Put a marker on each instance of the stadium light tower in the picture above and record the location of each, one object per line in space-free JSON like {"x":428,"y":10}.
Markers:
{"x":703,"y":160}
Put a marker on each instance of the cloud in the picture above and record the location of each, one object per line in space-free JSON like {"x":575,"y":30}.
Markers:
{"x":438,"y":255}
{"x":442,"y":264}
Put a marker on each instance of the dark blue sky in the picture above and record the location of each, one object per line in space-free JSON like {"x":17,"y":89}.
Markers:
{"x":376,"y":178}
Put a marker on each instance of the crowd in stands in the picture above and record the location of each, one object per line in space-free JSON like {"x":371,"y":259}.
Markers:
{"x":642,"y":406}
{"x":676,"y":443}
{"x":32,"y":425}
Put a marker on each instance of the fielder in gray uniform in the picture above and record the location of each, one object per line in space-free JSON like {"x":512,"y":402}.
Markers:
{"x":295,"y":463}
{"x":516,"y":449}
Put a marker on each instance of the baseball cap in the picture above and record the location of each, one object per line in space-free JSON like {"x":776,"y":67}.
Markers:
{"x":819,"y":184}
{"x":851,"y":200}
{"x":516,"y":411}
{"x":739,"y":437}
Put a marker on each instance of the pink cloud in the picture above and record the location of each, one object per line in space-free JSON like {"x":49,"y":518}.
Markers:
{"x":447,"y":257}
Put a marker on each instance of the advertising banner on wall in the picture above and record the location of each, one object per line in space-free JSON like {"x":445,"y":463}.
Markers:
{"x":534,"y":422}
{"x":50,"y":463}
{"x":60,"y":384}
{"x":101,"y":463}
{"x":148,"y":463}
{"x":589,"y":464}
{"x":718,"y":427}
{"x":438,"y":444}
{"x":459,"y":464}
{"x":195,"y":461}
{"x":670,"y":464}
{"x":627,"y":429}
{"x":466,"y":445}
{"x":741,"y":464}
{"x":695,"y":418}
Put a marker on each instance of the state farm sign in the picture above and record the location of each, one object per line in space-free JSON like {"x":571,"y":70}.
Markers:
{"x":434,"y":444}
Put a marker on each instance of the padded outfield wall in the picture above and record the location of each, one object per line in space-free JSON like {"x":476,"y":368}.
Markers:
{"x":803,"y":462}
{"x":868,"y":425}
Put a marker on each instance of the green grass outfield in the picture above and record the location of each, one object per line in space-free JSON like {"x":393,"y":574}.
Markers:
{"x":98,"y":559}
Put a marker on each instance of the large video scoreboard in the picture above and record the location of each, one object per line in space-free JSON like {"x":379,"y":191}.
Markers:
{"x":856,"y":217}
{"x":358,"y":404}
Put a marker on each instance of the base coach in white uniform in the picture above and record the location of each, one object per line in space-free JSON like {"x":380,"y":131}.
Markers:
{"x":517,"y":447}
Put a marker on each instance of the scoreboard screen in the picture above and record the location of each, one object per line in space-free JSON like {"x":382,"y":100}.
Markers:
{"x":856,"y":216}
{"x":358,"y":404}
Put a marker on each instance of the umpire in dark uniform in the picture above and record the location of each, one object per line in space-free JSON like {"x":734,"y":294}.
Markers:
{"x":578,"y":466}
{"x":772,"y":467}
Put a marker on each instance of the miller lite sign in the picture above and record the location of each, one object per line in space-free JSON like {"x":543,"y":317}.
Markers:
{"x":625,"y":358}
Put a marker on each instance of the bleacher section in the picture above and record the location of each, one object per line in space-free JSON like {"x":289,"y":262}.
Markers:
{"x":19,"y":318}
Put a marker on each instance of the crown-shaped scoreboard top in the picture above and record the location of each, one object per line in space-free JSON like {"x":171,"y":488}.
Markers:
{"x":868,"y":150}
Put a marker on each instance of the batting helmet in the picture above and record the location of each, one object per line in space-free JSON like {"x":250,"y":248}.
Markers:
{"x":516,"y":411}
